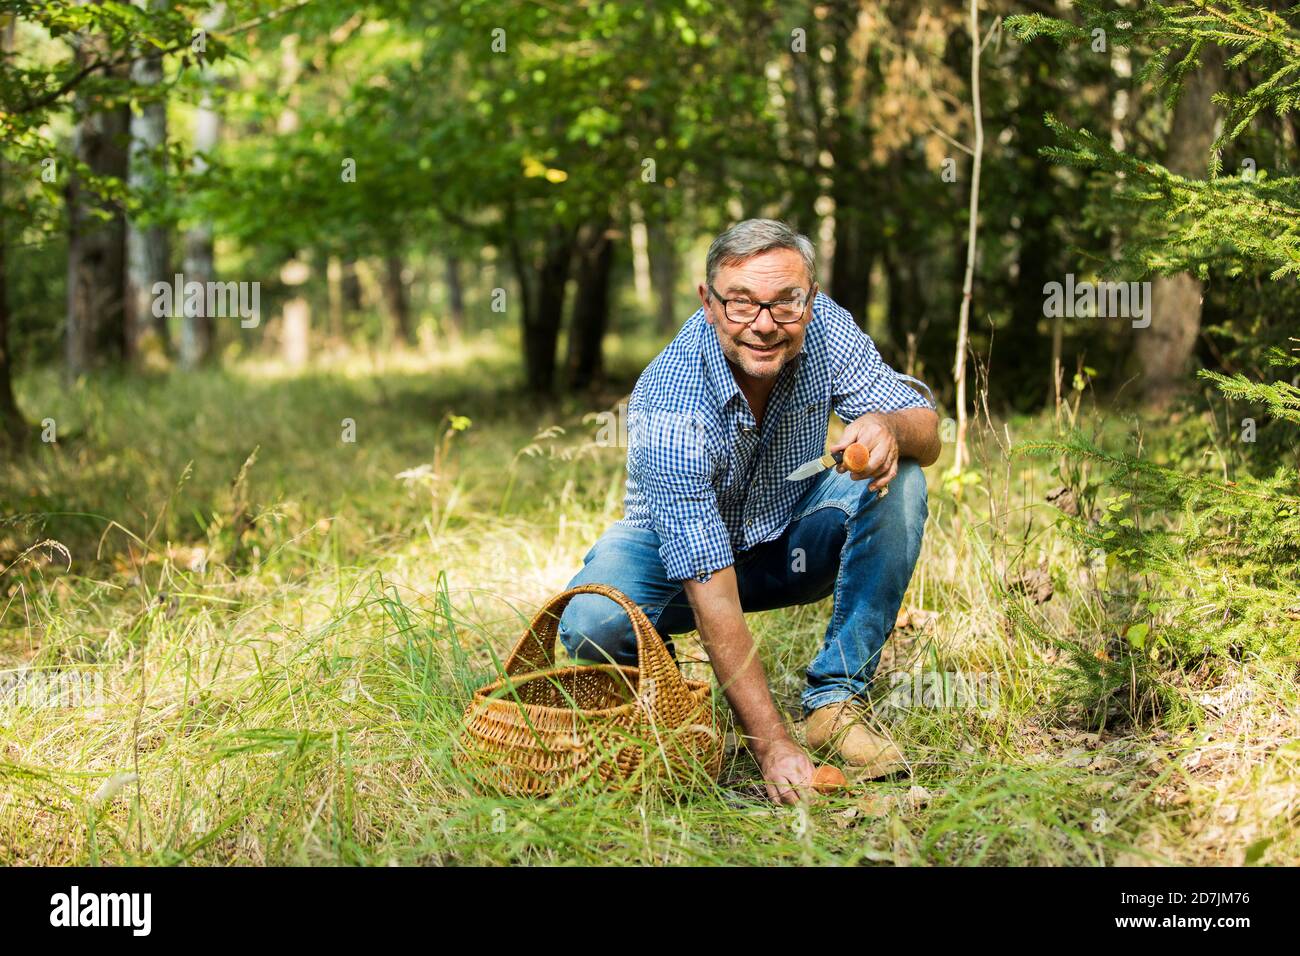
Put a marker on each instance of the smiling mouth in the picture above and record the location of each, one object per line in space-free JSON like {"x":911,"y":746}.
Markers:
{"x":762,"y":349}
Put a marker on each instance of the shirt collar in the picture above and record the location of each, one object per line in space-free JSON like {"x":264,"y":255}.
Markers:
{"x":725,"y":387}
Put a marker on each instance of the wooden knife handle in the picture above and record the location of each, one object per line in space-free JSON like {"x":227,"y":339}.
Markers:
{"x":854,"y":457}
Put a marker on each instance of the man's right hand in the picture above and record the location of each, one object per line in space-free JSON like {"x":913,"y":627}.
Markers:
{"x":787,"y":772}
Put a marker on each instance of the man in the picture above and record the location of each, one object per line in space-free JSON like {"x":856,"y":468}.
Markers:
{"x":712,"y":528}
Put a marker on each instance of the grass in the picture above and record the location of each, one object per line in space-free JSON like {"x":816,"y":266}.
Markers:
{"x":281,"y":635}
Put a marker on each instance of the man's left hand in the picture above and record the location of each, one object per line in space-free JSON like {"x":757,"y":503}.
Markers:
{"x":876,"y":433}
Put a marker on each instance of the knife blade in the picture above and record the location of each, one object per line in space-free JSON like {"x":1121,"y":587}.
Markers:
{"x":830,"y":460}
{"x":807,"y":470}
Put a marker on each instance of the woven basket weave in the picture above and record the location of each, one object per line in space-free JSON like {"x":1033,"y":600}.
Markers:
{"x":541,"y":729}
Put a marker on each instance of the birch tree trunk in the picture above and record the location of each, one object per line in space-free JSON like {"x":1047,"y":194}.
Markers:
{"x":198,"y":331}
{"x":146,"y":243}
{"x":295,"y":326}
{"x":960,"y":456}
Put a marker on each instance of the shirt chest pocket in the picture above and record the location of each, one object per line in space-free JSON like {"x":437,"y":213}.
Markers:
{"x":800,"y":437}
{"x":807,"y":435}
{"x":732,"y":482}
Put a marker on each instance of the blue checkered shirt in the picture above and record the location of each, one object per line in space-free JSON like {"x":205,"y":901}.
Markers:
{"x":700,"y":472}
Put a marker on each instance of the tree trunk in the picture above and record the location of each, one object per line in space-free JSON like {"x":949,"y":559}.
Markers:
{"x":197,"y":327}
{"x":1165,"y":348}
{"x":663,"y":272}
{"x":972,"y":240}
{"x":198,"y":331}
{"x":146,"y":244}
{"x":848,"y":140}
{"x":396,"y":299}
{"x":351,"y":286}
{"x":13,"y":428}
{"x":851,"y":264}
{"x":334,"y":296}
{"x":95,"y":331}
{"x":1038,"y":247}
{"x":906,"y":305}
{"x":455,"y":297}
{"x":542,"y":287}
{"x":639,"y":237}
{"x":295,"y":325}
{"x":591,"y":309}
{"x":1036,"y":262}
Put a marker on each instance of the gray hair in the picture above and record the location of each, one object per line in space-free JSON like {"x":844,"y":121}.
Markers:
{"x":747,"y":239}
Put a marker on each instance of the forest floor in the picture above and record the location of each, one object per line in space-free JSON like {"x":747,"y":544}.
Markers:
{"x":254,"y":641}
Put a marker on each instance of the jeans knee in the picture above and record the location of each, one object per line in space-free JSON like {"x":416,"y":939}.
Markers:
{"x":910,"y":483}
{"x":906,"y":506}
{"x":594,"y":628}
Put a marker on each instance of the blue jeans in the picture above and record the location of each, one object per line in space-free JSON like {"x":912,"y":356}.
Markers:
{"x":843,"y":540}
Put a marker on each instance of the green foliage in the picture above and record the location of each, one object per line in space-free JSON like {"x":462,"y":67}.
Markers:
{"x":1197,"y":563}
{"x":1177,"y":224}
{"x":303,"y":703}
{"x":1173,"y":35}
{"x":1282,"y":399}
{"x":1203,"y":564}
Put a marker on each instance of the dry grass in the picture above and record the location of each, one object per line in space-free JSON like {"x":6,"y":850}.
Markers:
{"x":283,"y":660}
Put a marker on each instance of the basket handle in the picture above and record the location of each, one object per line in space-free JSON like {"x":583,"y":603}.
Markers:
{"x":661,"y":687}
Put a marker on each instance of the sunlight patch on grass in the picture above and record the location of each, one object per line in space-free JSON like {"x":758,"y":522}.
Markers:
{"x":283,"y":660}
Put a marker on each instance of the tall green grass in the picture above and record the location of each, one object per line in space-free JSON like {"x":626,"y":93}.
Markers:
{"x":285,"y":656}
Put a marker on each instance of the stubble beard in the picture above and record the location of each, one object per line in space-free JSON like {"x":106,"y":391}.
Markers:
{"x":738,"y":356}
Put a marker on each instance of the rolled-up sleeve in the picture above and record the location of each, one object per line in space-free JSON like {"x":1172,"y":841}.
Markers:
{"x":861,"y":382}
{"x":670,"y":462}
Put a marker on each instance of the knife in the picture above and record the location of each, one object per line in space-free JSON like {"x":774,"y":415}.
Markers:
{"x":829,"y":460}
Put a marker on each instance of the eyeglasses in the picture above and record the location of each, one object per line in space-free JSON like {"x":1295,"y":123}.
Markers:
{"x":782,"y":311}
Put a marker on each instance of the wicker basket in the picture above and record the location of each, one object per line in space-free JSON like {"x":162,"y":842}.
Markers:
{"x":541,"y":729}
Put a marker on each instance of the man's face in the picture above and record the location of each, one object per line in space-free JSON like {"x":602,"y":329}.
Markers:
{"x":761,"y":348}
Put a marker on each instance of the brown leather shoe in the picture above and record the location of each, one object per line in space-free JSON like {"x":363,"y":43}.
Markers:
{"x":842,"y":727}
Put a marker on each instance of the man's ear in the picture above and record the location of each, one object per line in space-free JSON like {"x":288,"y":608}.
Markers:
{"x":812,"y":300}
{"x":703,"y":290}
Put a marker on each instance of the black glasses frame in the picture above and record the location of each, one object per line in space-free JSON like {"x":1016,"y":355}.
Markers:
{"x":765,"y":305}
